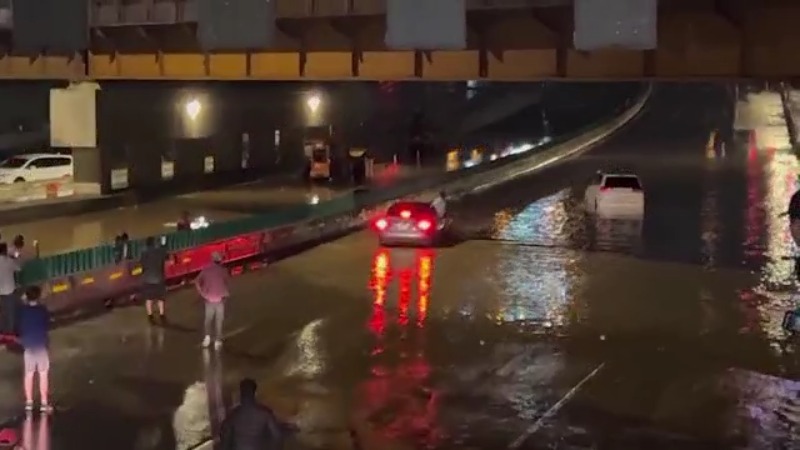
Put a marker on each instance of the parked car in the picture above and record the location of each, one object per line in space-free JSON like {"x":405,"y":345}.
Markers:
{"x":35,"y":167}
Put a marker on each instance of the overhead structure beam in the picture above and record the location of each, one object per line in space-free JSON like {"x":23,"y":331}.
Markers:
{"x":560,"y":22}
{"x":479,"y":26}
{"x":348,"y":28}
{"x":734,"y":12}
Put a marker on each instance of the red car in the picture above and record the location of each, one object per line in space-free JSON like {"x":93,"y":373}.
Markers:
{"x":409,"y":223}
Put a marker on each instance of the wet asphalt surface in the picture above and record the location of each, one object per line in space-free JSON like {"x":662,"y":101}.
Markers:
{"x":540,"y":328}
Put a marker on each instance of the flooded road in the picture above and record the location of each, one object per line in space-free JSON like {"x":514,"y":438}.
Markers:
{"x":160,"y":217}
{"x":539,"y":328}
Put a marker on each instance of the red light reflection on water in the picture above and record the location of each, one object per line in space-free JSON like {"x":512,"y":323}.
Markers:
{"x":398,"y":398}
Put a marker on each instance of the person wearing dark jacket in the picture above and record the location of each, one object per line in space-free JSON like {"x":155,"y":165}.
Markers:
{"x":251,"y":425}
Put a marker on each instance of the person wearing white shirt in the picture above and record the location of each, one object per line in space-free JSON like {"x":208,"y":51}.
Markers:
{"x":18,"y":250}
{"x":8,"y":287}
{"x":440,"y":205}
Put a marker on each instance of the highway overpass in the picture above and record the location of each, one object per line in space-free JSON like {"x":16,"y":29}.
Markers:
{"x":511,"y":40}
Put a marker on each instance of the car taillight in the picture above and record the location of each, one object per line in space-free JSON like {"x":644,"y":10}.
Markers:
{"x":405,"y":214}
{"x":381,"y":224}
{"x":605,"y":189}
{"x":424,"y":225}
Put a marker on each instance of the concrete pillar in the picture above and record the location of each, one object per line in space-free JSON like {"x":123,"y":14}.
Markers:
{"x":73,"y":125}
{"x":88,"y":166}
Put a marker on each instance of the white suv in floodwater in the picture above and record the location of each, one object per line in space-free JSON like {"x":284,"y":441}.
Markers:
{"x":35,"y":167}
{"x":615,"y":194}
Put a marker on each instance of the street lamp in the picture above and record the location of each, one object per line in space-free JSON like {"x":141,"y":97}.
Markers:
{"x":193,"y":108}
{"x":314,"y":102}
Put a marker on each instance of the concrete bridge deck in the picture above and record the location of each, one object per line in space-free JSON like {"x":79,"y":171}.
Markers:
{"x":344,"y":39}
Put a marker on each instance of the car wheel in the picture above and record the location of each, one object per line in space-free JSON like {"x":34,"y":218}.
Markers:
{"x":19,"y":180}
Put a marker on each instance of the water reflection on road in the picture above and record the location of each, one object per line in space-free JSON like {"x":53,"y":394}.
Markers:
{"x":399,"y":398}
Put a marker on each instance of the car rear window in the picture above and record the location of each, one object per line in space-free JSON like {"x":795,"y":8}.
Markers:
{"x":622,"y":183}
{"x":416,"y":209}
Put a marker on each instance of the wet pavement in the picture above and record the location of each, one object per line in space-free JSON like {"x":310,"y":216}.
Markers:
{"x":539,"y":328}
{"x":88,"y":230}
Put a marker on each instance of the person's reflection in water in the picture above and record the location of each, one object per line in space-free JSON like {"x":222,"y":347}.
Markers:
{"x":36,"y":432}
{"x":212,"y":370}
{"x":155,"y":339}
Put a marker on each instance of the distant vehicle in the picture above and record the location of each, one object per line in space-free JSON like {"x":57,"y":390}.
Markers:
{"x":320,"y":164}
{"x":35,"y":167}
{"x":614,"y":195}
{"x":409,"y":223}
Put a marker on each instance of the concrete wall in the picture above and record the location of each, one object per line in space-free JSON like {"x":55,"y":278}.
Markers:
{"x":134,"y":119}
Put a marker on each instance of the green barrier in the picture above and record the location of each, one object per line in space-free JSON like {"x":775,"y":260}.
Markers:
{"x":65,"y":264}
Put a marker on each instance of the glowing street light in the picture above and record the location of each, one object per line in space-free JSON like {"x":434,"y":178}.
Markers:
{"x":314,"y":103}
{"x":193,"y":108}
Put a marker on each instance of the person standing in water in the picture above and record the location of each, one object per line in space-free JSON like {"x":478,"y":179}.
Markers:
{"x":35,"y":340}
{"x":154,"y":287}
{"x":212,"y":285}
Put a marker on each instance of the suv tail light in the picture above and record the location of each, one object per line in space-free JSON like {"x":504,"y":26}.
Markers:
{"x":605,"y":189}
{"x":405,"y":214}
{"x":424,"y":225}
{"x":381,"y":224}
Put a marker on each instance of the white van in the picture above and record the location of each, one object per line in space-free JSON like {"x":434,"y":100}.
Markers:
{"x":35,"y":167}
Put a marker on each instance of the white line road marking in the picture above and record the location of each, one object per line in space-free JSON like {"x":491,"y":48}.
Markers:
{"x":553,"y":410}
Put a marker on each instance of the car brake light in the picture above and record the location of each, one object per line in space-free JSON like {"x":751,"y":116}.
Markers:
{"x":405,"y":214}
{"x":604,"y":189}
{"x":424,"y":225}
{"x":381,"y":224}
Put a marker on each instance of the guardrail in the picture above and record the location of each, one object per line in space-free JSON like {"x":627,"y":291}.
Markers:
{"x":554,"y":153}
{"x":90,"y":275}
